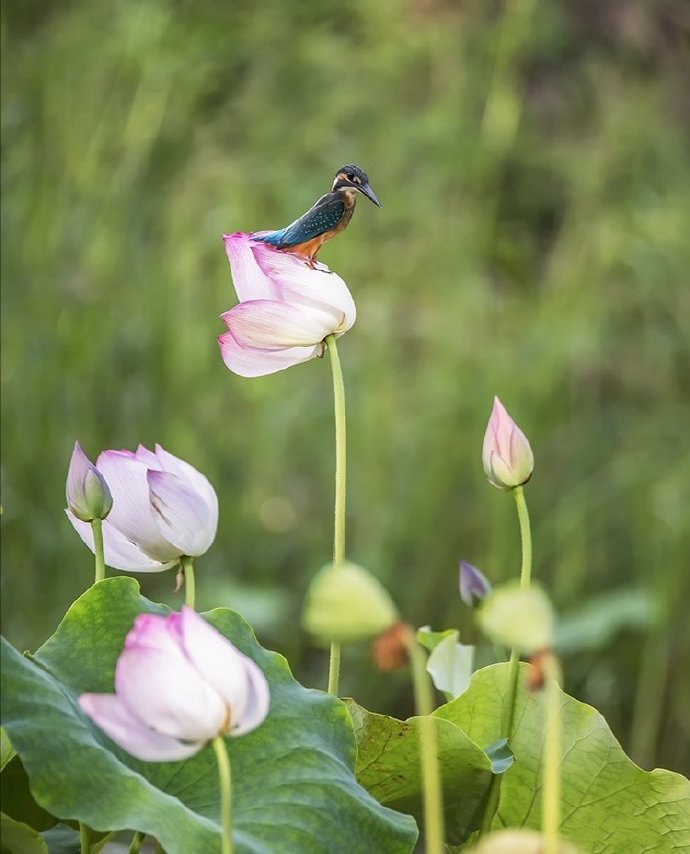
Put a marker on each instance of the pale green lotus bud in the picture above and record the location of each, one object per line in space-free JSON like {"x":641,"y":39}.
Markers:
{"x":88,"y":496}
{"x":520,"y":617}
{"x":346,"y":604}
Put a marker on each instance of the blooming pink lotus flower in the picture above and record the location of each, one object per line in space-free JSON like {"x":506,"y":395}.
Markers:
{"x":88,"y":496}
{"x":178,"y":684}
{"x":163,"y":509}
{"x":506,"y":455}
{"x":285,"y":312}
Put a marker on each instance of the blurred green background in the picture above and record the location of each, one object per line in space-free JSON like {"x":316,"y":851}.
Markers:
{"x":532,"y":163}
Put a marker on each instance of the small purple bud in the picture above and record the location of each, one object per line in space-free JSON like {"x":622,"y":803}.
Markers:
{"x":88,"y":496}
{"x":473,"y":584}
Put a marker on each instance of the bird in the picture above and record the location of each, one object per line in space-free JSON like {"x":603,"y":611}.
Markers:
{"x":327,"y":217}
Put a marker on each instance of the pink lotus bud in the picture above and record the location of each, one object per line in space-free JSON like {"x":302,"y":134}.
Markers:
{"x":285,"y":312}
{"x":178,"y":684}
{"x":163,"y":509}
{"x":88,"y":496}
{"x":473,"y":584}
{"x":507,"y":456}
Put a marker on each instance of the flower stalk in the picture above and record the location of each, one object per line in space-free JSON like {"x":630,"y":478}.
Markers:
{"x":189,"y":582}
{"x":224,"y":777}
{"x":551,"y":790}
{"x":136,"y":843}
{"x":514,"y":665}
{"x":428,"y":747}
{"x":84,"y":840}
{"x":99,"y":555}
{"x":525,"y":578}
{"x":340,"y":492}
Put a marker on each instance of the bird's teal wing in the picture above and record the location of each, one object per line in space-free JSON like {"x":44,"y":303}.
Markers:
{"x":319,"y":219}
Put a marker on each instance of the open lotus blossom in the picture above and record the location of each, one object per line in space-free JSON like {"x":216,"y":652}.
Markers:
{"x":163,"y":509}
{"x":88,"y":496}
{"x":506,"y":455}
{"x":286,"y":308}
{"x":178,"y":684}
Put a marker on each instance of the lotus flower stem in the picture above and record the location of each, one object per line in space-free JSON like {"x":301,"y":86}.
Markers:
{"x":136,"y":843}
{"x":84,"y":842}
{"x":189,"y":584}
{"x":225,"y":791}
{"x":340,"y":481}
{"x":514,"y":666}
{"x":428,"y":748}
{"x":551,"y":790}
{"x":97,"y":527}
{"x":525,"y":576}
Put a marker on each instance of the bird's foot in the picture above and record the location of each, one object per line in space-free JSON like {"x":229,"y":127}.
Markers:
{"x":317,"y":265}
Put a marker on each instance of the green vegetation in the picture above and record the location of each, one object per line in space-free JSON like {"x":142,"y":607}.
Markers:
{"x":532,"y":164}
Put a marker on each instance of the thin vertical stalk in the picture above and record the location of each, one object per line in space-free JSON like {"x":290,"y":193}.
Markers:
{"x":525,"y":577}
{"x":434,"y":829}
{"x":189,"y":582}
{"x":97,"y":528}
{"x":514,"y":664}
{"x":340,"y":482}
{"x":551,"y":790}
{"x":223,"y":761}
{"x":136,"y":843}
{"x":84,"y":842}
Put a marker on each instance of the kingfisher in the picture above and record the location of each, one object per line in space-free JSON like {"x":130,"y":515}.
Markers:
{"x":326,"y":218}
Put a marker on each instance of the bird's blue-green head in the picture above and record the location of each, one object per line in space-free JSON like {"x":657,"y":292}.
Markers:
{"x":351,"y":177}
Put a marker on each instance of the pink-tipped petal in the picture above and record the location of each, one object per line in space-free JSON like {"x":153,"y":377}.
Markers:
{"x":165,"y":692}
{"x":271,"y":325}
{"x":149,"y":458}
{"x":236,"y":677}
{"x":257,"y":703}
{"x":132,"y":514}
{"x":252,"y":362}
{"x":298,"y":283}
{"x":181,"y":513}
{"x":169,"y":462}
{"x":119,"y":552}
{"x":153,"y":631}
{"x":247,"y":277}
{"x":119,"y":724}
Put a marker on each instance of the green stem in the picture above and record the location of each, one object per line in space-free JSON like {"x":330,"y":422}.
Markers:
{"x":428,"y":748}
{"x":84,"y":843}
{"x":225,"y":791}
{"x":97,"y":528}
{"x":551,"y":791}
{"x":135,"y":844}
{"x":514,"y":664}
{"x":189,"y":585}
{"x":525,"y":535}
{"x":340,"y":481}
{"x":334,"y":668}
{"x":525,"y":577}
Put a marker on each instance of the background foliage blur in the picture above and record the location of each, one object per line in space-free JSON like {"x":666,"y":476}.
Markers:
{"x":532,"y":163}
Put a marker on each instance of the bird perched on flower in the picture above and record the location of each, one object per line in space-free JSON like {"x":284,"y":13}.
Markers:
{"x":326,"y":218}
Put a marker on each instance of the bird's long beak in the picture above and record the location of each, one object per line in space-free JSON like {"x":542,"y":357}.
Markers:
{"x":366,"y":190}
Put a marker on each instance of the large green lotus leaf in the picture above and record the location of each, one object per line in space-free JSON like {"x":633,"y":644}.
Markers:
{"x":609,"y":805}
{"x":294,"y":788}
{"x":388,"y":767}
